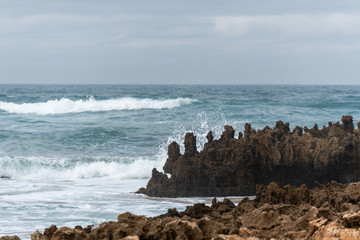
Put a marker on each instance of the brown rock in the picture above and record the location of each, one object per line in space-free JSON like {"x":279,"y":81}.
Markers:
{"x":197,"y":211}
{"x":351,"y":220}
{"x":260,"y":219}
{"x":185,"y":229}
{"x":228,"y":237}
{"x":334,"y":231}
{"x":63,"y":233}
{"x":348,"y":123}
{"x":325,"y":212}
{"x":314,"y":225}
{"x":131,"y":238}
{"x":10,"y":238}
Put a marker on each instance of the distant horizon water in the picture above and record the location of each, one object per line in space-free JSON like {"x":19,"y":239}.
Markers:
{"x":185,"y":84}
{"x":75,"y":154}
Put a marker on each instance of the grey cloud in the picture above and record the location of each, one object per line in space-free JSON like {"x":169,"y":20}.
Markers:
{"x":290,"y":26}
{"x":280,"y":41}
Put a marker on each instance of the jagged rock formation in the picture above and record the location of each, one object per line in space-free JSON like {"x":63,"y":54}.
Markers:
{"x":326,"y":212}
{"x":233,"y":166}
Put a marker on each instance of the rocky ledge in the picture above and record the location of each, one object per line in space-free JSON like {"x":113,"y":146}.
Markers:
{"x":326,"y":212}
{"x":232,"y":166}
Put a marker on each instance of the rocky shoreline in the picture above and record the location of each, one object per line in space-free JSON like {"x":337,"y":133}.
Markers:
{"x":329,"y":211}
{"x":306,"y":183}
{"x":232,"y":166}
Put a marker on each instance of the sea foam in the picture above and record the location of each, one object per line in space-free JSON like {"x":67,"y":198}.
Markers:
{"x":42,"y":168}
{"x":66,"y":105}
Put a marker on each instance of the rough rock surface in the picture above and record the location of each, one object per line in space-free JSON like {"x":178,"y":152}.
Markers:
{"x":326,"y":212}
{"x":10,"y":238}
{"x":234,"y":166}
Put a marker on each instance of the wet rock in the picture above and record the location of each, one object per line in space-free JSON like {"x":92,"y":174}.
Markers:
{"x":229,"y":133}
{"x":234,"y":166}
{"x":209,"y":137}
{"x":174,"y":154}
{"x":190,"y":145}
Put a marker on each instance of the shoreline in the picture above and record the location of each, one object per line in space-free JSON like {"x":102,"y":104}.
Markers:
{"x":327,"y":211}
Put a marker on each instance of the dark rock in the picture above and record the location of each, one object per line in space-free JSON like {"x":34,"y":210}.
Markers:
{"x":173,"y":156}
{"x":233,"y":167}
{"x":88,"y":228}
{"x":190,"y":145}
{"x":48,"y":232}
{"x":173,"y":213}
{"x":157,"y":180}
{"x":197,"y":211}
{"x":209,"y":137}
{"x":228,"y":133}
{"x":348,"y":123}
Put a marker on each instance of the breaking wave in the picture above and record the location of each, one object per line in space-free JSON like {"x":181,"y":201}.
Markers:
{"x":70,"y":169}
{"x":65,"y":105}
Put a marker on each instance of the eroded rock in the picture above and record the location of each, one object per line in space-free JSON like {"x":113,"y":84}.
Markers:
{"x":10,"y":238}
{"x":233,"y":167}
{"x":275,"y":213}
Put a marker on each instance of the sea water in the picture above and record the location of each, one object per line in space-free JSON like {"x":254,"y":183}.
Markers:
{"x":75,"y":154}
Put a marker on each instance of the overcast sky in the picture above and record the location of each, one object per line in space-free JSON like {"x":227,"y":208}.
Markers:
{"x":183,"y":42}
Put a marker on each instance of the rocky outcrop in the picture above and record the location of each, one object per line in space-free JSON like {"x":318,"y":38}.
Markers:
{"x":326,"y":212}
{"x":232,"y":166}
{"x":10,"y":238}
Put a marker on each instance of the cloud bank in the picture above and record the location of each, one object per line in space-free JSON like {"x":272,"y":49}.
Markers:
{"x":289,"y":26}
{"x":166,"y":42}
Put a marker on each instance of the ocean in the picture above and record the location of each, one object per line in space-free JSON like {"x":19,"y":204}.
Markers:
{"x":75,"y":154}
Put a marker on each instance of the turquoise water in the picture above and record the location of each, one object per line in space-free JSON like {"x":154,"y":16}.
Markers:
{"x":74,"y":154}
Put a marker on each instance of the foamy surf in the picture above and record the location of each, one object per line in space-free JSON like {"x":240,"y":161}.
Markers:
{"x":65,"y":105}
{"x":41,"y":168}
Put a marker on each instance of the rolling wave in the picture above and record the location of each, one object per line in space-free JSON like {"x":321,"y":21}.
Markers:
{"x":65,"y":105}
{"x":42,"y":168}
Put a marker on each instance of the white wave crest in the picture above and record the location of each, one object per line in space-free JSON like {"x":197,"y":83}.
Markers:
{"x":65,"y":168}
{"x":65,"y":105}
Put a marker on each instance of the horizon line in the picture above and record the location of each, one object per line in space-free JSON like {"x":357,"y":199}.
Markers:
{"x":191,"y":84}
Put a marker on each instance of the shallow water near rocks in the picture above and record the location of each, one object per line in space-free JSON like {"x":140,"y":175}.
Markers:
{"x":35,"y":204}
{"x":75,"y":154}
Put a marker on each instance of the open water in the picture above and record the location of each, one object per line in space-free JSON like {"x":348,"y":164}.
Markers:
{"x":75,"y":154}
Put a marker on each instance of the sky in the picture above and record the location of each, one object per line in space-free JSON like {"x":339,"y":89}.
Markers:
{"x":180,"y":42}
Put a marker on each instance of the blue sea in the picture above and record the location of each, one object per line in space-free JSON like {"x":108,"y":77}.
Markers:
{"x":75,"y":154}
